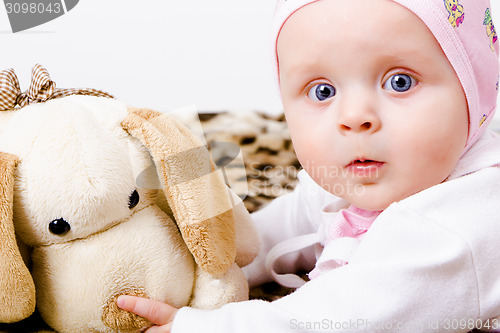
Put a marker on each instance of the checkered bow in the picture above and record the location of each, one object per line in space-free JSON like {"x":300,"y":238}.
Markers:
{"x":41,"y":89}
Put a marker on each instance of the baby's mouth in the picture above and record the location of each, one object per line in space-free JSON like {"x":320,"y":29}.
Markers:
{"x":364,"y":167}
{"x":362,"y":162}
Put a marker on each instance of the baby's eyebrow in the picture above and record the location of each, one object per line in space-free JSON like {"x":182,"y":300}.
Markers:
{"x":317,"y":66}
{"x":299,"y":69}
{"x":303,"y":69}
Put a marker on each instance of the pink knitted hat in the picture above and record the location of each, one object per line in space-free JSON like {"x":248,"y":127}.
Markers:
{"x":465,"y":31}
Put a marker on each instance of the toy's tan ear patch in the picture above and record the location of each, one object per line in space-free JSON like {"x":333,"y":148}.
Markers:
{"x":247,"y":238}
{"x":17,"y":289}
{"x":194,"y":190}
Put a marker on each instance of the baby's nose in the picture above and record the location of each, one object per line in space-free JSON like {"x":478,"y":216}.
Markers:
{"x":363,"y":127}
{"x":357,"y":111}
{"x":359,"y":121}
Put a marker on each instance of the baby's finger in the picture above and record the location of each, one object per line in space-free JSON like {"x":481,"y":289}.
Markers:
{"x":156,"y":312}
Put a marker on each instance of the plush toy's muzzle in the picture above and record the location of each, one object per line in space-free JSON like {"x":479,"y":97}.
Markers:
{"x":80,"y":280}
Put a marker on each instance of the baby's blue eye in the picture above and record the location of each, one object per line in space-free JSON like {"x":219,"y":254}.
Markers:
{"x":400,"y":83}
{"x":321,"y":92}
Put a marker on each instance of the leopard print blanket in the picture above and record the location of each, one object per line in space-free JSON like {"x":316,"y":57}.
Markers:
{"x":270,"y":163}
{"x":270,"y":170}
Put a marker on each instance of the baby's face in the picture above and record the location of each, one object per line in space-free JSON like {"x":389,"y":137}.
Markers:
{"x":376,"y":111}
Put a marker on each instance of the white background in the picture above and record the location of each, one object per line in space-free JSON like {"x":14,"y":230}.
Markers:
{"x":161,"y":54}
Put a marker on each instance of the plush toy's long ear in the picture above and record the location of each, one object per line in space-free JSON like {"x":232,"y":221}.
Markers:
{"x":195,"y":191}
{"x":17,"y":290}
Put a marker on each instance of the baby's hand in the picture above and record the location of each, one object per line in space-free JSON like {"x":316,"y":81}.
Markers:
{"x":158,"y":313}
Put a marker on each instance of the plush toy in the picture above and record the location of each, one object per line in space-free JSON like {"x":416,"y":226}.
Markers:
{"x":103,"y":200}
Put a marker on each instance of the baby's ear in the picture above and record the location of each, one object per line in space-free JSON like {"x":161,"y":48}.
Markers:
{"x":17,"y":289}
{"x":195,"y":191}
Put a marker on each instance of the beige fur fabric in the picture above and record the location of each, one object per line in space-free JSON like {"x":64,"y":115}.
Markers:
{"x":195,"y":192}
{"x":79,"y":165}
{"x":17,"y":290}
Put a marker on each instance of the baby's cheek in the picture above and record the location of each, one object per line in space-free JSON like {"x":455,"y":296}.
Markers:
{"x":333,"y":181}
{"x":431,"y":163}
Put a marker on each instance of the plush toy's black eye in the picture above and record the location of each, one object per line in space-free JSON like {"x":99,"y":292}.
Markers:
{"x":59,"y":227}
{"x":133,"y":200}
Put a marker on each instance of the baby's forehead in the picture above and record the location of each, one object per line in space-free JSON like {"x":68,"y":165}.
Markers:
{"x":394,"y":32}
{"x":344,"y":20}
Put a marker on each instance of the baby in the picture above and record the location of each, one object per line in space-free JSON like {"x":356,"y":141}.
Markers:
{"x":397,"y":214}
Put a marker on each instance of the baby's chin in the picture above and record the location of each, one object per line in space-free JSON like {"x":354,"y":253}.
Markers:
{"x":373,"y":200}
{"x":369,"y":204}
{"x":375,"y":196}
{"x":377,"y":199}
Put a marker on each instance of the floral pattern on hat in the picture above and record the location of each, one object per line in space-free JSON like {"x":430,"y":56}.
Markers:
{"x":483,"y":119}
{"x":490,"y":29}
{"x":455,"y":12}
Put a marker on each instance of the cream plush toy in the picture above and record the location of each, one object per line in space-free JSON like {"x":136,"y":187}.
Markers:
{"x":78,"y":186}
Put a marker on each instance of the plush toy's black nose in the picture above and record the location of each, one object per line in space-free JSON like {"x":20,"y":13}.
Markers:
{"x":59,"y":227}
